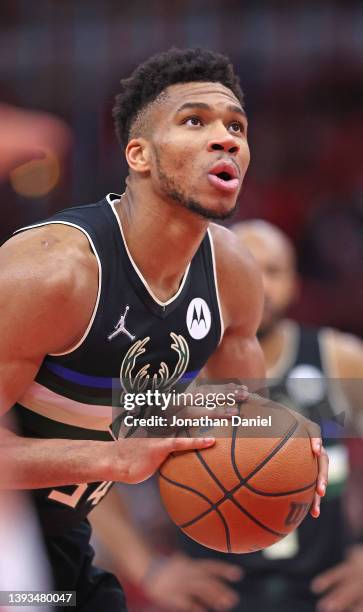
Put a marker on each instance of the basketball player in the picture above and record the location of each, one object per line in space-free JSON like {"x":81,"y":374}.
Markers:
{"x":131,"y":284}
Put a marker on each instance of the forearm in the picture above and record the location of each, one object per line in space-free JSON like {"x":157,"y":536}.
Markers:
{"x":31,"y":463}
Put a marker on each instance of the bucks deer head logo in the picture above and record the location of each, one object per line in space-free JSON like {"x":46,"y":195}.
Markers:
{"x":138,"y":381}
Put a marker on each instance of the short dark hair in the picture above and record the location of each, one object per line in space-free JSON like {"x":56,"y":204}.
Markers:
{"x":168,"y":68}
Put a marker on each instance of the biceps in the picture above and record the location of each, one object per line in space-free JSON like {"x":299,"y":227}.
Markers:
{"x":237,"y":357}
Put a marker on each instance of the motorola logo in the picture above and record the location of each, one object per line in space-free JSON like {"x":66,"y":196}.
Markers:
{"x":198,"y":318}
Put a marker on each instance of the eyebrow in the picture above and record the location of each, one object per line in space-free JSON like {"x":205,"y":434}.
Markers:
{"x":233,"y":108}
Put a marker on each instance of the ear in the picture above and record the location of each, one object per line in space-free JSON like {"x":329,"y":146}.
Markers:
{"x":138,"y":155}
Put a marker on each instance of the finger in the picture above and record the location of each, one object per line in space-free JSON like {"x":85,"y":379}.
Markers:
{"x":315,"y":506}
{"x":226,"y":411}
{"x":231,"y":392}
{"x":314,"y":432}
{"x":232,"y":406}
{"x":316,"y":445}
{"x":211,"y":593}
{"x":215,"y":595}
{"x":323,"y":470}
{"x":183,"y":444}
{"x":241,"y":393}
{"x":331,"y":577}
{"x":342,"y":598}
{"x":187,"y":604}
{"x":221,"y":569}
{"x":200,"y":411}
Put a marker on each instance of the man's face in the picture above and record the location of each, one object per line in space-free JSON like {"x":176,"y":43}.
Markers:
{"x":199,"y":148}
{"x":276,"y":262}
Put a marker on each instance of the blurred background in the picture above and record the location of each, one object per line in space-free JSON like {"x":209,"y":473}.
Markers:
{"x":301,"y":67}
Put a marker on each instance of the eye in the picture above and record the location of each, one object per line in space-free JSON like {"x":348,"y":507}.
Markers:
{"x":192,"y":121}
{"x":237,"y":127}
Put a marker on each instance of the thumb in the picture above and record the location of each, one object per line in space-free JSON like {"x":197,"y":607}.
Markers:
{"x":184,"y":444}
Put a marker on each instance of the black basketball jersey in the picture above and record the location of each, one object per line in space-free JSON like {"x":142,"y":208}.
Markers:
{"x":300,"y":382}
{"x":133,"y":341}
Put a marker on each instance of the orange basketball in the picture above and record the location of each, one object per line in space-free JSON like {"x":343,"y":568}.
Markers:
{"x":252,"y":488}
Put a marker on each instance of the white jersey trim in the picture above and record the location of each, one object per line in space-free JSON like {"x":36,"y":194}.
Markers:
{"x":291,"y":338}
{"x":144,"y":282}
{"x":78,"y":344}
{"x":216,"y":285}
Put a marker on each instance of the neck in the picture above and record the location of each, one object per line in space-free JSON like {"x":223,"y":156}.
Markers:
{"x":273,"y":344}
{"x":161,"y":236}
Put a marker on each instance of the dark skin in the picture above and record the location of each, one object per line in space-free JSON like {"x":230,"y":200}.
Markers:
{"x":183,"y":152}
{"x":49,"y":280}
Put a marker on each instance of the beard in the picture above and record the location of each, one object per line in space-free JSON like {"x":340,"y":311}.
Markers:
{"x":270,"y":319}
{"x":170,"y":189}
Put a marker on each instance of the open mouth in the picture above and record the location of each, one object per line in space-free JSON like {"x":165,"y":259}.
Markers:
{"x":224,"y":177}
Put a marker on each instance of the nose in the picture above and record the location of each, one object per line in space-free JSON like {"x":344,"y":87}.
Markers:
{"x":224,"y":142}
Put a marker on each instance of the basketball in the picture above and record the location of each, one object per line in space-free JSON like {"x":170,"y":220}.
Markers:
{"x":251,"y":489}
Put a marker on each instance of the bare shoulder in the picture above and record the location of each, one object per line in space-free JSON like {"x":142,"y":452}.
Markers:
{"x":51,"y":259}
{"x":239,"y":279}
{"x":345,"y":351}
{"x":228,"y":246}
{"x":49,"y":273}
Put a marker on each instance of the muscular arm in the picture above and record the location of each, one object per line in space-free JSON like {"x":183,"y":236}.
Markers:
{"x":44,"y":273}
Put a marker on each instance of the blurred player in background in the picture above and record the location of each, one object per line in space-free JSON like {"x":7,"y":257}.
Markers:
{"x":320,"y":564}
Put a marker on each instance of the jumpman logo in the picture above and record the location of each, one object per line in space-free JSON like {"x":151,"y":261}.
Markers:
{"x":120,"y":327}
